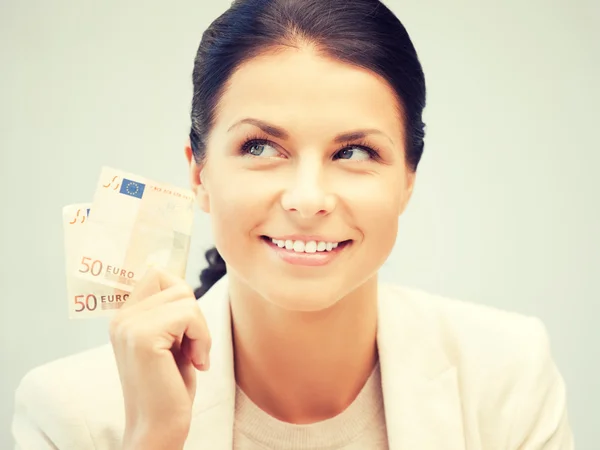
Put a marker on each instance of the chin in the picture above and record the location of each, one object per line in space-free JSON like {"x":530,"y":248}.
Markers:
{"x":303,"y":296}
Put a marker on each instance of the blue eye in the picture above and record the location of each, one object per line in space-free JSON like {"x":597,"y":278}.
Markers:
{"x":354,"y":153}
{"x":259,"y":148}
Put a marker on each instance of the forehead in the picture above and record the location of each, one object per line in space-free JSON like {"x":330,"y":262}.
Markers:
{"x":299,"y":89}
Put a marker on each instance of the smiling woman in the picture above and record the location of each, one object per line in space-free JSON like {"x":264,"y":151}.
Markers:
{"x":305,"y":140}
{"x":311,"y":171}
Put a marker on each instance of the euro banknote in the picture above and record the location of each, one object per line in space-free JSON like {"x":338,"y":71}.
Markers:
{"x":132,"y":223}
{"x":85,"y":298}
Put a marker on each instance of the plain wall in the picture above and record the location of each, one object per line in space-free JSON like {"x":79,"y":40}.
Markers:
{"x":506,"y":210}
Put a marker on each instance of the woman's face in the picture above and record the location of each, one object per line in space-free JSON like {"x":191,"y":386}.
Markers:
{"x":305,"y":178}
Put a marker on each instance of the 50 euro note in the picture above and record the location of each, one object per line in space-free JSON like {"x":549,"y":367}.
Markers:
{"x":85,"y":298}
{"x":133,"y":223}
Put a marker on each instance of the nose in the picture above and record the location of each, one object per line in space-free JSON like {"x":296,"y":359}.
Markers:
{"x":307,"y":194}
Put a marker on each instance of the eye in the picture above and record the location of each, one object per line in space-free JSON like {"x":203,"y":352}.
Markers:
{"x":355,"y":153}
{"x":259,"y":148}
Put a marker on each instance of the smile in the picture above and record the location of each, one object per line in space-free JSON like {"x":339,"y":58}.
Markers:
{"x":306,"y":253}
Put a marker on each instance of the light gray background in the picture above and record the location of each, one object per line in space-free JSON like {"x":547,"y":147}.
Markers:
{"x":506,"y":209}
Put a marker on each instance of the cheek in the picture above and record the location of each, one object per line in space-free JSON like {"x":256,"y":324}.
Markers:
{"x":238,"y":195}
{"x":379,"y":196}
{"x":376,"y":207}
{"x":237,"y":206}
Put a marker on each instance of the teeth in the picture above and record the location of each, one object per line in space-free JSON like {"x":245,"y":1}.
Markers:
{"x":305,"y":247}
{"x":310,"y":247}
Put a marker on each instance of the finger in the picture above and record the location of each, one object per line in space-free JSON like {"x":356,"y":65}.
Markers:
{"x":148,"y":285}
{"x":186,"y":369}
{"x":154,"y":281}
{"x":176,"y":293}
{"x":198,"y":340}
{"x":167,"y":279}
{"x":169,"y":323}
{"x":186,"y":354}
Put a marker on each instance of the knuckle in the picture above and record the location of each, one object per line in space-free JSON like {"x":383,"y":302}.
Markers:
{"x":119,"y":331}
{"x":189,"y":313}
{"x":190,"y":293}
{"x":125,"y":333}
{"x":183,"y":291}
{"x":131,"y":301}
{"x":151,"y":273}
{"x":133,"y":296}
{"x":134,"y":338}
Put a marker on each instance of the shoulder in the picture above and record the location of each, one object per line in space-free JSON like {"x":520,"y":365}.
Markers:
{"x":470,"y":328}
{"x":55,"y":401}
{"x":505,"y":369}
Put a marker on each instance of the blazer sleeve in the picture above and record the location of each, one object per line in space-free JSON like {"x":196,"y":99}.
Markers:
{"x":541,"y":420}
{"x":46,"y":415}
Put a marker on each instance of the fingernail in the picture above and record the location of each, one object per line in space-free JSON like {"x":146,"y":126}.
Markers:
{"x":203,"y":364}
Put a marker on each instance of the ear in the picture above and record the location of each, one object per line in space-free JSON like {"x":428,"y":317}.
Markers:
{"x":196,"y":179}
{"x":408,"y":189}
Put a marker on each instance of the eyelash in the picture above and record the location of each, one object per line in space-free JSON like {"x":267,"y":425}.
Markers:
{"x":254,"y":139}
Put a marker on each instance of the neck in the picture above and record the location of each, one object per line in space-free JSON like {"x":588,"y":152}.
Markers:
{"x":303,"y":367}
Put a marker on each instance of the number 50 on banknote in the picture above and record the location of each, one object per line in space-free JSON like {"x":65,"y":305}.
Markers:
{"x":85,"y":298}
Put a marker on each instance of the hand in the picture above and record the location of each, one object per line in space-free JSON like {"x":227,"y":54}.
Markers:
{"x":159,"y":339}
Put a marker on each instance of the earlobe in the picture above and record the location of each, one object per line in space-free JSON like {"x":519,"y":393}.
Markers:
{"x":193,"y":166}
{"x":197,"y":181}
{"x":410,"y":184}
{"x":202,"y":196}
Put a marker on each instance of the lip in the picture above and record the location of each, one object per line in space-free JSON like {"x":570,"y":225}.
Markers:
{"x":306,"y":259}
{"x":304,"y":237}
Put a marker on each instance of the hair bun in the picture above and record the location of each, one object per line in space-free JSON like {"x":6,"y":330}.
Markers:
{"x":213,"y":273}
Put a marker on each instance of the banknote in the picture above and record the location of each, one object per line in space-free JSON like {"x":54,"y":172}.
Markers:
{"x":133,"y":223}
{"x":85,"y":298}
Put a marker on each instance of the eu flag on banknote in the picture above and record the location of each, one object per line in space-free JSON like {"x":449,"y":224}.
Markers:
{"x":132,"y":188}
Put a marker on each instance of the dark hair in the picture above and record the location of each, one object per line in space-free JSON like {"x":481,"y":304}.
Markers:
{"x":363,"y":33}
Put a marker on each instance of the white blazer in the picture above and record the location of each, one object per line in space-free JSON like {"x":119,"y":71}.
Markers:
{"x":454,"y":376}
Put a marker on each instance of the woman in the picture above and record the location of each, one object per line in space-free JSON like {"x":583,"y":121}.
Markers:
{"x":306,"y":136}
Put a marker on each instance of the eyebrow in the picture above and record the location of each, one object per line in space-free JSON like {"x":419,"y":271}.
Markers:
{"x":280,"y":133}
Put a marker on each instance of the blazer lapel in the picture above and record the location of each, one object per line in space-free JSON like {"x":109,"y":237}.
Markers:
{"x":421,"y":399}
{"x":214,"y":404}
{"x":420,"y":392}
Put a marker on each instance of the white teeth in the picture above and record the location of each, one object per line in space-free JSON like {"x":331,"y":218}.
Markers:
{"x":299,"y":246}
{"x":311,"y":247}
{"x":305,"y":247}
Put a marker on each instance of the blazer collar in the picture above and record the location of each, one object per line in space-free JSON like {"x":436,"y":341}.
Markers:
{"x":421,"y":399}
{"x":214,"y":404}
{"x":420,"y":389}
